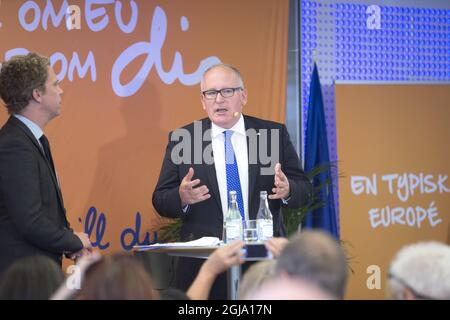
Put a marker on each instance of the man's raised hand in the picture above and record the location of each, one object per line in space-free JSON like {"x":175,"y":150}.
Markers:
{"x":189,"y":194}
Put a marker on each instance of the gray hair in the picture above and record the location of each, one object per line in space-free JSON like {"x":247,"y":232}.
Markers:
{"x":423,"y":268}
{"x":227,"y":66}
{"x":316,"y":257}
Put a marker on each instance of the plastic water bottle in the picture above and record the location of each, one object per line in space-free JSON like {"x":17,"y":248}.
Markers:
{"x":233,"y":221}
{"x":264,"y":219}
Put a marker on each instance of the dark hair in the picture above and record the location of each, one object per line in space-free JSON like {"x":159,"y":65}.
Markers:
{"x":19,"y":76}
{"x":117,"y":277}
{"x":31,"y":278}
{"x":316,"y":257}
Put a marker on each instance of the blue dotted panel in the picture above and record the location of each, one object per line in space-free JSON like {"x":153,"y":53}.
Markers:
{"x":412,"y":44}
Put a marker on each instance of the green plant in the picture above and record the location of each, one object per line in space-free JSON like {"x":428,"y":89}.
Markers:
{"x":294,"y":217}
{"x":170,"y":232}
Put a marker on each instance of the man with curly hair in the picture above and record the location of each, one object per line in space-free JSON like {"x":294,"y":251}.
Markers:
{"x":32,"y":214}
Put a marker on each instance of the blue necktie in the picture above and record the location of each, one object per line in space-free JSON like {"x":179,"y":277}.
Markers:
{"x":233,"y":181}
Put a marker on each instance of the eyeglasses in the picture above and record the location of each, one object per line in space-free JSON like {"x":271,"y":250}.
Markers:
{"x":225,"y":92}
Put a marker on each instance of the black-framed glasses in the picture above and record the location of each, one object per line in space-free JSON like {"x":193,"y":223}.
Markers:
{"x":225,"y":92}
{"x":405,"y":284}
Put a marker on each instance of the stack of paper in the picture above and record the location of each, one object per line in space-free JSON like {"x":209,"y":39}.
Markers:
{"x":202,"y":242}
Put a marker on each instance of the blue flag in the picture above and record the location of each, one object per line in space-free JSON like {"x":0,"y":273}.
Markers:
{"x":322,"y":216}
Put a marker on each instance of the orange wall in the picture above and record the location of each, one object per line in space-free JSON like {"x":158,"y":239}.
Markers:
{"x":384,"y":130}
{"x":108,"y":147}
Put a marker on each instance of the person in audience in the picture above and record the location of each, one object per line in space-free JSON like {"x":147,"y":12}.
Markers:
{"x":316,"y":257}
{"x":117,"y":277}
{"x":255,"y":276}
{"x":275,"y":245}
{"x":420,"y":271}
{"x":70,"y":288}
{"x":219,"y":261}
{"x":290,"y":289}
{"x":31,"y":278}
{"x":123,"y":277}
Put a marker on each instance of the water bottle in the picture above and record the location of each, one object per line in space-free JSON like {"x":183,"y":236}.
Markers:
{"x":264,"y":219}
{"x":233,"y":221}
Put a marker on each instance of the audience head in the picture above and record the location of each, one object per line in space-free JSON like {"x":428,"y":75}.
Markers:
{"x":290,"y":289}
{"x":316,"y":257}
{"x":117,"y":277}
{"x":31,"y":278}
{"x":255,"y":276}
{"x":421,"y":271}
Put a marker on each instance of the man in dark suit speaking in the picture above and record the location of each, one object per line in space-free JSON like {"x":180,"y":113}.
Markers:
{"x":32,"y":214}
{"x":194,"y":181}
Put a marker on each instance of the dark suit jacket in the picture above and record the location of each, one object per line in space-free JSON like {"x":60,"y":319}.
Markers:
{"x":32,"y":215}
{"x":206,"y":218}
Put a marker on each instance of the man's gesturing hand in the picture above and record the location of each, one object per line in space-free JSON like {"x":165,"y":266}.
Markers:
{"x":189,"y":194}
{"x":281,"y":190}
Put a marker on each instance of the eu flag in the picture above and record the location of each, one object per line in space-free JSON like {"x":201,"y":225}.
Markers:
{"x":323,"y":215}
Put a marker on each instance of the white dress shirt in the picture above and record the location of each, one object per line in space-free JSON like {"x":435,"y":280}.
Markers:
{"x":34,"y":128}
{"x":239,"y":142}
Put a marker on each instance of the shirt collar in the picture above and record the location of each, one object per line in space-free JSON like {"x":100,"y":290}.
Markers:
{"x":239,"y":127}
{"x":34,"y":128}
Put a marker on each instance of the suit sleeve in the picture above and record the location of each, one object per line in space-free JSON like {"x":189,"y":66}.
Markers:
{"x":166,"y":198}
{"x":299,"y":184}
{"x":21,"y":186}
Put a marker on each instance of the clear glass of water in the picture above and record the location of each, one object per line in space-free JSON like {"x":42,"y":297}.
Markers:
{"x":250,"y":231}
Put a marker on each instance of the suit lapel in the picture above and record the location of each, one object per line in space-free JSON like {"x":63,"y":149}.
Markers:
{"x":16,"y":122}
{"x":210,"y":168}
{"x":253,"y":169}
